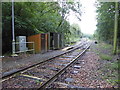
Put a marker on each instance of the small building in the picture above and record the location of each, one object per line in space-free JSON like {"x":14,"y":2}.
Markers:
{"x":56,"y":40}
{"x":41,"y":42}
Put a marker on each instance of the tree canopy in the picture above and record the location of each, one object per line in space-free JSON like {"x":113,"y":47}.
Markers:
{"x":105,"y":21}
{"x":36,"y":17}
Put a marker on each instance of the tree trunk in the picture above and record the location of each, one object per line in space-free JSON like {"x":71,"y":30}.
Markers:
{"x":115,"y":28}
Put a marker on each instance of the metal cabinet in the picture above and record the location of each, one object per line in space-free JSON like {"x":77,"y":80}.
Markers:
{"x":21,"y":46}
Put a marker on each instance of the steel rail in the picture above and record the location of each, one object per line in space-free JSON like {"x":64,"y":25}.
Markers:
{"x":4,"y":76}
{"x":44,"y":85}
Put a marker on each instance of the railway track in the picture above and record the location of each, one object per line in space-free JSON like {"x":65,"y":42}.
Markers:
{"x":42,"y":74}
{"x":10,"y":73}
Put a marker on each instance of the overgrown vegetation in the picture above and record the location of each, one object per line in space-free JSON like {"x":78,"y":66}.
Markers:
{"x":38,"y":17}
{"x":112,"y":75}
{"x":105,"y":22}
{"x":75,"y":33}
{"x":118,"y":51}
{"x":109,"y":63}
{"x":105,"y":33}
{"x":105,"y":57}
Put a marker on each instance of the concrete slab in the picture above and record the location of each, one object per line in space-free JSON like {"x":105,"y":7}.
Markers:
{"x":74,"y":72}
{"x":54,"y":69}
{"x":69,"y":80}
{"x":76,"y":66}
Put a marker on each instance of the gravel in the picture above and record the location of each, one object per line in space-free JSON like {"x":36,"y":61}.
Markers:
{"x":87,"y":76}
{"x":44,"y":71}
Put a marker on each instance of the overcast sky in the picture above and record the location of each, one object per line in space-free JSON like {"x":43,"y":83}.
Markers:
{"x":88,"y":18}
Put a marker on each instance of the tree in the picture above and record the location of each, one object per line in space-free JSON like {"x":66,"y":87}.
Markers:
{"x":105,"y":26}
{"x":35,"y":17}
{"x":115,"y":28}
{"x":75,"y":33}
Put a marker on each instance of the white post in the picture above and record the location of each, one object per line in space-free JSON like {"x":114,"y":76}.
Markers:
{"x":13,"y":33}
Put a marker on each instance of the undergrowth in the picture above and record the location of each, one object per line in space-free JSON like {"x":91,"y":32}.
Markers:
{"x":105,"y":57}
{"x":109,"y":68}
{"x":118,"y":51}
{"x":112,"y":76}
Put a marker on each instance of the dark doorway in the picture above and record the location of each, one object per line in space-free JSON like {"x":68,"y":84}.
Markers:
{"x":43,"y":43}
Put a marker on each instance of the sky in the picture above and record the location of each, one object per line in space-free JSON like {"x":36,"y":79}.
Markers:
{"x":88,"y":19}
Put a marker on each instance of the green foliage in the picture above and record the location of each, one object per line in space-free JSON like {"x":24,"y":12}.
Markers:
{"x":36,"y":17}
{"x":105,"y":19}
{"x":88,"y":36}
{"x":113,"y":77}
{"x":105,"y":57}
{"x":74,"y":33}
{"x":118,"y":51}
{"x":115,"y":65}
{"x":105,"y":46}
{"x":102,"y":51}
{"x":109,"y":69}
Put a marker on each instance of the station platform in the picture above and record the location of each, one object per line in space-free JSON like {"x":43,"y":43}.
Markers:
{"x":16,"y":64}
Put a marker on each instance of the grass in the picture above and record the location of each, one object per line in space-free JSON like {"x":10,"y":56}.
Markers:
{"x":112,"y":75}
{"x":112,"y":81}
{"x":109,"y":68}
{"x":114,"y":65}
{"x":107,"y":46}
{"x":118,"y":51}
{"x":97,"y":52}
{"x":104,"y":46}
{"x":105,"y":57}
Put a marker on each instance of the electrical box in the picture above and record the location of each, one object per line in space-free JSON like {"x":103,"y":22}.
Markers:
{"x":21,"y":46}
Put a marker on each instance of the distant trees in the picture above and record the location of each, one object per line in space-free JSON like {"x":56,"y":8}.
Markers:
{"x":105,"y":19}
{"x":75,"y":33}
{"x":36,"y":17}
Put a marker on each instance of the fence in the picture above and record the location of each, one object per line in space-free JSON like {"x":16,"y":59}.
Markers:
{"x":24,"y":48}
